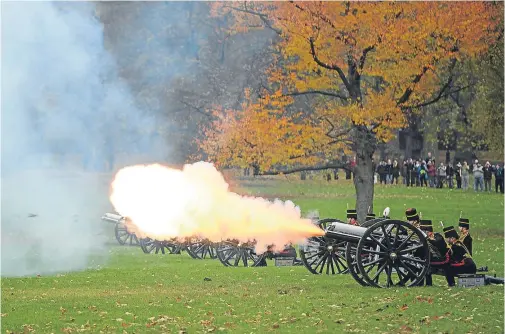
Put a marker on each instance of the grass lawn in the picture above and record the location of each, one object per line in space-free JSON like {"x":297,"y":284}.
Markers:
{"x":139,"y":293}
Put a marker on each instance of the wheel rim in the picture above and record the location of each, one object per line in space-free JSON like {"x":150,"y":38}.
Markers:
{"x":322,"y":254}
{"x":350,"y":256}
{"x":392,"y":253}
{"x":202,"y":249}
{"x":231,"y":254}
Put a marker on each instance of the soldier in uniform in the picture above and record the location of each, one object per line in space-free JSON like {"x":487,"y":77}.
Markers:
{"x":460,"y":260}
{"x":412,"y":216}
{"x":466,"y":238}
{"x":439,"y":251}
{"x":352,"y":217}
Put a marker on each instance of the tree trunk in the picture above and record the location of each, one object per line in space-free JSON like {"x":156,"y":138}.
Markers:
{"x":365,"y":146}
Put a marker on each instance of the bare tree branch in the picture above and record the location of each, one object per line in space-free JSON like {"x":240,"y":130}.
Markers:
{"x":332,"y":67}
{"x":439,"y":96}
{"x":306,"y":169}
{"x":363,"y":56}
{"x":263,"y":17}
{"x":406,"y":95}
{"x":197,"y":109}
{"x":319,"y":92}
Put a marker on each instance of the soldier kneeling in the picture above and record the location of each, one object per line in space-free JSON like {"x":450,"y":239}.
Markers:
{"x":439,"y":252}
{"x":460,"y":260}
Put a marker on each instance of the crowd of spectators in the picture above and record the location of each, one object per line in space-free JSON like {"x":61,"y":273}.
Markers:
{"x":426,"y":173}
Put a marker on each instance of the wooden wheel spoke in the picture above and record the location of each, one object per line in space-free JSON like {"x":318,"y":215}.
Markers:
{"x":377,"y":242}
{"x":408,"y":250}
{"x":379,"y":271}
{"x":404,"y":242}
{"x":406,"y":266}
{"x":386,"y":237}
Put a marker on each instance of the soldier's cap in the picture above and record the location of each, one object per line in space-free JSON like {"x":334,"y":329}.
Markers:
{"x":370,"y":216}
{"x":352,"y":213}
{"x":450,"y":232}
{"x":464,"y":222}
{"x":411,"y":214}
{"x":426,"y":225}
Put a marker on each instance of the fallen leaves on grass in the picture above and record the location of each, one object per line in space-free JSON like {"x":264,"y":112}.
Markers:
{"x":422,"y":299}
{"x":404,"y":307}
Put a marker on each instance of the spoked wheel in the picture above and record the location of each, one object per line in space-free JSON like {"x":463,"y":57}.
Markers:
{"x":201,"y":249}
{"x":397,"y":251}
{"x":149,"y":245}
{"x":124,"y":237}
{"x":323,"y":255}
{"x":350,"y":256}
{"x":232,"y":254}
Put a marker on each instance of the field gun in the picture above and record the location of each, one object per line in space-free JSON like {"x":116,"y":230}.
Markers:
{"x":379,"y":253}
{"x":123,"y":236}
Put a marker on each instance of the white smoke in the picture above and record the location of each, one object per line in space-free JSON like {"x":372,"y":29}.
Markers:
{"x":63,"y":107}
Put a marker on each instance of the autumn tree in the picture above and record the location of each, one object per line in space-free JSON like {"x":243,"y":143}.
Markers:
{"x":486,"y":110}
{"x":368,"y":67}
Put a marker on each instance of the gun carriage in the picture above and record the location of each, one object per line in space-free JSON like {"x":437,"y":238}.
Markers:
{"x":123,"y":236}
{"x":197,"y":248}
{"x":232,"y":253}
{"x":380,"y":253}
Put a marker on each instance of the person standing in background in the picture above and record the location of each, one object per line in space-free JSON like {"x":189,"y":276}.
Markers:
{"x":409,"y":167}
{"x":498,"y":178}
{"x":403,"y":172}
{"x":423,"y":174}
{"x":415,"y":173}
{"x":396,"y":171}
{"x":432,"y":174}
{"x":488,"y":176}
{"x":450,"y":176}
{"x":478,"y":175}
{"x":458,"y":175}
{"x":441,"y":172}
{"x":389,"y":172}
{"x":465,"y":175}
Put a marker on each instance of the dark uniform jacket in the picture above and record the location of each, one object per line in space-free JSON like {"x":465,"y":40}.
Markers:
{"x":467,"y":241}
{"x":459,"y":255}
{"x":438,"y":249}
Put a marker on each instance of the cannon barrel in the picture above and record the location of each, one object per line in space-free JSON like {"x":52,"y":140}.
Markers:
{"x":113,"y":218}
{"x":494,"y":280}
{"x":345,"y":232}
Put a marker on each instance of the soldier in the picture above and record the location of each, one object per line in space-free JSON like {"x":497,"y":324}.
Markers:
{"x":412,"y":216}
{"x":370,"y":216}
{"x":439,"y":251}
{"x":466,"y":238}
{"x":460,"y":260}
{"x":352,"y":217}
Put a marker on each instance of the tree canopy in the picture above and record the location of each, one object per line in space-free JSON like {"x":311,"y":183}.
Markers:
{"x":366,"y":66}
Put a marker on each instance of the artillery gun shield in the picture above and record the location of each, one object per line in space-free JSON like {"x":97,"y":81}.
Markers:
{"x":397,"y":251}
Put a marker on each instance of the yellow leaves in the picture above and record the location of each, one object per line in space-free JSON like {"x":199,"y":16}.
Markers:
{"x":410,"y":40}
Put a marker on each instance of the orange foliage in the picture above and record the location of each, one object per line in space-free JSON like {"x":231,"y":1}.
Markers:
{"x":379,"y":57}
{"x":262,"y":133}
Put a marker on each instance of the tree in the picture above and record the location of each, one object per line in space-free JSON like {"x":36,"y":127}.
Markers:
{"x":368,"y":67}
{"x":486,"y":110}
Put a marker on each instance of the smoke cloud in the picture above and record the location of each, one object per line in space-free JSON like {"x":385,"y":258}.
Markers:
{"x":65,"y":114}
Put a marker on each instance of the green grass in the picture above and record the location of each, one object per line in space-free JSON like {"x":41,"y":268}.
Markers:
{"x":139,"y":293}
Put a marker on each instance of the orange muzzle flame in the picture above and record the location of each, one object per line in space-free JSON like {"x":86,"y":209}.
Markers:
{"x":164,"y":203}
